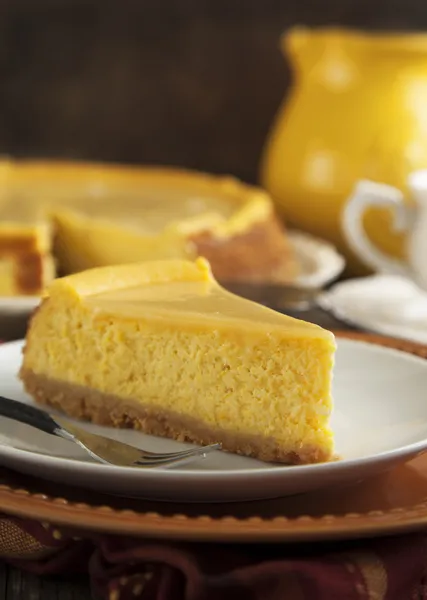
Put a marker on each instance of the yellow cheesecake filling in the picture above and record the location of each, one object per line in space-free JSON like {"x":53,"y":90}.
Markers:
{"x":166,"y":334}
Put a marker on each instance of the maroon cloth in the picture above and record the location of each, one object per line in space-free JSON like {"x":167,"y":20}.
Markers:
{"x":126,"y":568}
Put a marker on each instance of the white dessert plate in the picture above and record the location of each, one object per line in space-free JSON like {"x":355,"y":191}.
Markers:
{"x":387,"y":304}
{"x":380,"y":419}
{"x":319,"y":261}
{"x":18,"y":305}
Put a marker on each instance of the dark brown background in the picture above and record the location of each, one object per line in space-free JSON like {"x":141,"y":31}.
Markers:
{"x":182,"y":82}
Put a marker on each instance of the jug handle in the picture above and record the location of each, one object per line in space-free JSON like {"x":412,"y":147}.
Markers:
{"x":366,"y":195}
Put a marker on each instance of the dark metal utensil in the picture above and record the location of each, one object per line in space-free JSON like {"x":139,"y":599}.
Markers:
{"x":279,"y":297}
{"x":102,"y":449}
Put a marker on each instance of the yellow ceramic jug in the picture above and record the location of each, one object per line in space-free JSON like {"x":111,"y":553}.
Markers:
{"x":357,"y":109}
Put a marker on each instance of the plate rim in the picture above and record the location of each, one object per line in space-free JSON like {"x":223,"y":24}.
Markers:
{"x":19,"y":501}
{"x":210,"y":477}
{"x":329,"y":268}
{"x":19,"y":304}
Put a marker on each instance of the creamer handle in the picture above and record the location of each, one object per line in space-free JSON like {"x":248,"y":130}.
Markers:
{"x":366,"y":195}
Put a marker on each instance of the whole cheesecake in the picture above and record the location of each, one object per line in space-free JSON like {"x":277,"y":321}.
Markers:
{"x":78,"y":216}
{"x":162,"y":347}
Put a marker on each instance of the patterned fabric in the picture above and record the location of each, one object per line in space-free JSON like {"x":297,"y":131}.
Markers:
{"x":129,"y":569}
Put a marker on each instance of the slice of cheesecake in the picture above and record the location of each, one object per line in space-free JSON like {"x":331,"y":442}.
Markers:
{"x":161,"y":347}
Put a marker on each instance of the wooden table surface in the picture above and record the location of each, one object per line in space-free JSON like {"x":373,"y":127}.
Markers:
{"x":19,"y":585}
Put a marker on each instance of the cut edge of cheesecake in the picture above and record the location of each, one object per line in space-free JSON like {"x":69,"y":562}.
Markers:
{"x":224,"y":364}
{"x":26,"y":262}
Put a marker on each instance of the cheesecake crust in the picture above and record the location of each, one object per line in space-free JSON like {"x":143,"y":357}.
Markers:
{"x":262,"y":254}
{"x":29,"y":272}
{"x":109,"y":410}
{"x":25,"y":243}
{"x":32,"y":262}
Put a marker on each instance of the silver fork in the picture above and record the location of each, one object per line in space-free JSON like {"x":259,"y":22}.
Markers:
{"x":102,"y":449}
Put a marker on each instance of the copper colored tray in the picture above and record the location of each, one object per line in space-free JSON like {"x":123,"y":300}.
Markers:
{"x":392,"y":502}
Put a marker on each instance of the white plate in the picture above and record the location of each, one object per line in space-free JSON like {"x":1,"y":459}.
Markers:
{"x":320,"y":264}
{"x":380,"y":419}
{"x":386,"y":304}
{"x":18,"y":305}
{"x":319,"y":261}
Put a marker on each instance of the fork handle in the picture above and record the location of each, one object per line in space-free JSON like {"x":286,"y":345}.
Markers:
{"x":24,"y":413}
